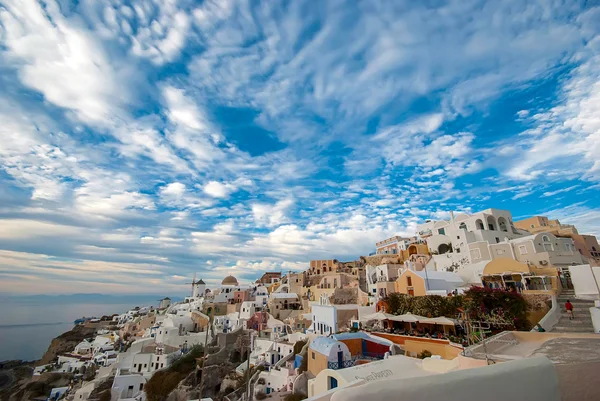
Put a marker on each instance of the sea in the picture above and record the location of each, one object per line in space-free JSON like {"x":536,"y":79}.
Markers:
{"x":28,"y":324}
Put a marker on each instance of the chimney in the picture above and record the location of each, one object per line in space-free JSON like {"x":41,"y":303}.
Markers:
{"x":451,"y":216}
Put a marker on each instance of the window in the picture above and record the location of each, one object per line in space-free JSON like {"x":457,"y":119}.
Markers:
{"x":497,"y":240}
{"x":458,"y":237}
{"x":533,"y":226}
{"x":409,"y":281}
{"x":522,"y":250}
{"x":141,"y":386}
{"x":442,"y":231}
{"x":545,"y":238}
{"x":313,"y":355}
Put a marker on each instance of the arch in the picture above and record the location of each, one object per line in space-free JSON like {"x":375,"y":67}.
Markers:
{"x":412,"y":250}
{"x":491,"y":222}
{"x":463,"y":226}
{"x":502,"y":225}
{"x":479,"y":224}
{"x":545,"y":238}
{"x":444,"y":248}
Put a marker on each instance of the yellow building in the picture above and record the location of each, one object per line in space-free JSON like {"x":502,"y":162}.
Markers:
{"x":327,"y":353}
{"x":587,"y":245}
{"x":506,"y":272}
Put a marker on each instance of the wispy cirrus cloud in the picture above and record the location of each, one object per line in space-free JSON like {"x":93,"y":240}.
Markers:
{"x":146,"y":136}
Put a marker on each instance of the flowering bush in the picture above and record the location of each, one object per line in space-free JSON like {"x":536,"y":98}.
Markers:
{"x":503,"y":310}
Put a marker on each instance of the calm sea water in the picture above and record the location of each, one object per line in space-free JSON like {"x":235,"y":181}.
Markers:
{"x":26,"y":328}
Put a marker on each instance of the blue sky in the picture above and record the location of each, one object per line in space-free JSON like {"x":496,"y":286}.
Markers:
{"x":144,"y":141}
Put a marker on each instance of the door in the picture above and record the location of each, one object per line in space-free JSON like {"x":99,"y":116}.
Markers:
{"x":340,"y":359}
{"x":364,"y":347}
{"x":411,"y":292}
{"x":139,"y":367}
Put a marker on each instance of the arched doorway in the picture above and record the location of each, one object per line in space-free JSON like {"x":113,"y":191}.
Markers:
{"x":491,"y":221}
{"x":412,"y":250}
{"x":479,"y":224}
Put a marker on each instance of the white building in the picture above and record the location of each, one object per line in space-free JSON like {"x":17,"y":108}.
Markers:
{"x":328,"y":319}
{"x":83,"y":348}
{"x":382,"y":273}
{"x":450,"y":241}
{"x":276,"y":380}
{"x":128,"y":386}
{"x":227,"y":323}
{"x":226,"y":293}
{"x":393,"y":245}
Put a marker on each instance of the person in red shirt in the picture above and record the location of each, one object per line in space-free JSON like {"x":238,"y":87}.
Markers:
{"x":569,"y":308}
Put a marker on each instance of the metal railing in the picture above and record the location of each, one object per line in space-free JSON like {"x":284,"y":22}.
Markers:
{"x":340,"y":365}
{"x":373,"y":356}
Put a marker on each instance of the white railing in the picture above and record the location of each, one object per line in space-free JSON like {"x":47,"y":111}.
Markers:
{"x":552,"y":317}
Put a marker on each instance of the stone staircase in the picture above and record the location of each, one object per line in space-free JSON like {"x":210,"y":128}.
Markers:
{"x":582,"y":323}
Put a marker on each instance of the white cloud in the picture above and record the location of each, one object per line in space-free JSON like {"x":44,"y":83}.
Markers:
{"x":566,"y":138}
{"x":48,"y":51}
{"x":182,"y":111}
{"x":559,"y":191}
{"x":18,"y":229}
{"x":271,"y":215}
{"x":217,"y":190}
{"x":174,"y":189}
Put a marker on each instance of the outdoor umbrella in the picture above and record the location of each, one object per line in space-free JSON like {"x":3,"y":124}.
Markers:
{"x":377,"y":316}
{"x":408,"y":318}
{"x":443,"y":321}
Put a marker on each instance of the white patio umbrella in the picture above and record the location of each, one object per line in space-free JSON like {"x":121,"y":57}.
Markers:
{"x":377,"y":316}
{"x":409,"y":318}
{"x":443,"y":321}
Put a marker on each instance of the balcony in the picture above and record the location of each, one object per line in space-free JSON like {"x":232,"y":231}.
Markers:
{"x":352,"y":362}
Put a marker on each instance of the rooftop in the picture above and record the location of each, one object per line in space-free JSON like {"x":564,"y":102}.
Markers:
{"x":323,"y":345}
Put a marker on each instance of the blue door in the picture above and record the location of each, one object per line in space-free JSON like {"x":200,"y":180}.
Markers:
{"x":340,"y":359}
{"x":364,"y":347}
{"x":333,"y":383}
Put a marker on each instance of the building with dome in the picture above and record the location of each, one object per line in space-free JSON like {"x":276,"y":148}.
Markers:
{"x":229,"y":286}
{"x":229,"y":280}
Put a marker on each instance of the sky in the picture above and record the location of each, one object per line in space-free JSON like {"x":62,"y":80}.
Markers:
{"x":144,"y":141}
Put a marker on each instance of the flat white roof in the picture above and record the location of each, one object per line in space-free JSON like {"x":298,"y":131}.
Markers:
{"x":394,"y":367}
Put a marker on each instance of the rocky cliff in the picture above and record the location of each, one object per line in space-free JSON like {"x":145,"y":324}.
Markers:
{"x":66,"y":342}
